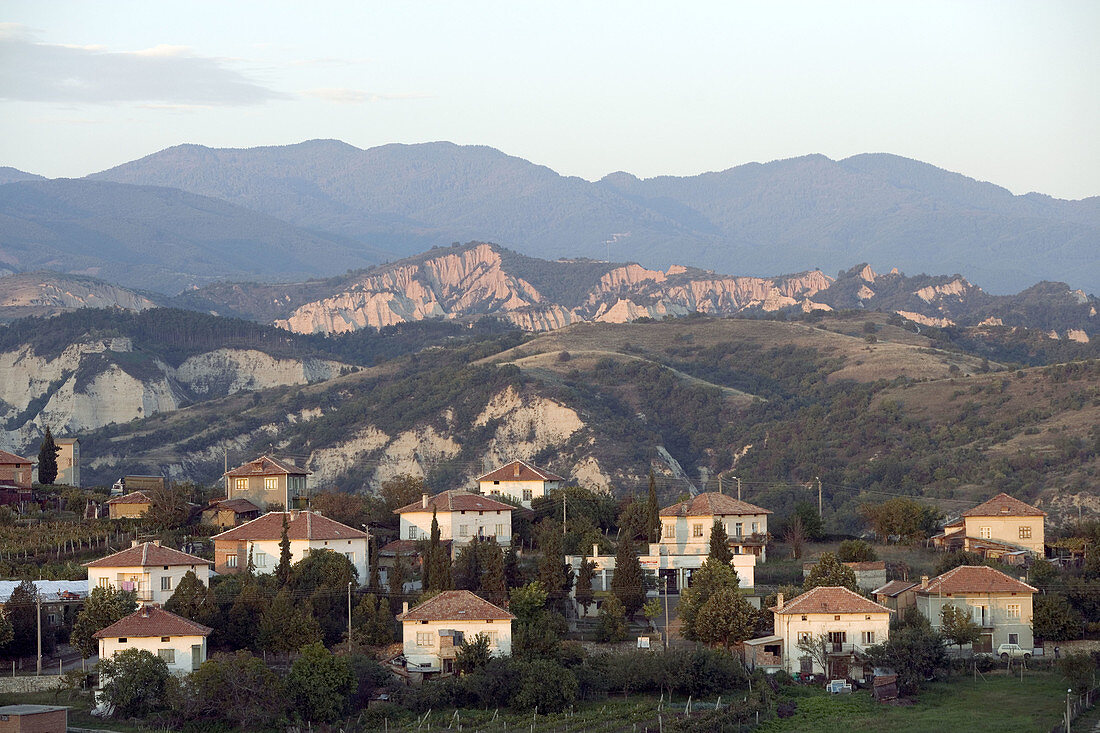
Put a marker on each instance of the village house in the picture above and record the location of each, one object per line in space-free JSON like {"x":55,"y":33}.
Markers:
{"x":845,"y":621}
{"x":15,"y":471}
{"x":61,"y":600}
{"x":520,"y":482}
{"x":138,"y":482}
{"x":308,"y":531}
{"x":180,"y":642}
{"x":68,"y":461}
{"x":153,"y":572}
{"x":462,"y":516}
{"x":897,"y":595}
{"x":269,"y":483}
{"x":999,"y":603}
{"x":870,"y":574}
{"x":1002,"y":527}
{"x":129,"y":506}
{"x":226,"y":513}
{"x":434,"y":631}
{"x":686,"y":525}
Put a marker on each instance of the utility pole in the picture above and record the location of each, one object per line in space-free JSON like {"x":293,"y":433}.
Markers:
{"x":38,"y":620}
{"x":563,"y":512}
{"x":820,"y":514}
{"x":666,"y":613}
{"x":738,"y":480}
{"x":349,"y":617}
{"x":1068,"y":721}
{"x":225,"y":458}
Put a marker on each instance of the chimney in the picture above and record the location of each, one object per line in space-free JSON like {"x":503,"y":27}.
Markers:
{"x":404,"y":606}
{"x":145,"y":612}
{"x":156,"y":542}
{"x":293,"y":515}
{"x":595,"y":549}
{"x":924,"y":582}
{"x":779,"y":601}
{"x":424,"y":500}
{"x":134,"y":543}
{"x":516,"y":469}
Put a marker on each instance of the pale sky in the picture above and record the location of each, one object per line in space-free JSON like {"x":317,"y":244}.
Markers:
{"x":1003,"y":91}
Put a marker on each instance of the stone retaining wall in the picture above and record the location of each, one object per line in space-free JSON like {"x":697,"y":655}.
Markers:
{"x":28,"y":684}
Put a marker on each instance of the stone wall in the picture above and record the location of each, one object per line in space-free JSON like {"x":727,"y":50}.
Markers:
{"x":44,"y":683}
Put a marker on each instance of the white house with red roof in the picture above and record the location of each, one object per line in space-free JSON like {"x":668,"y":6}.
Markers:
{"x":462,"y":516}
{"x":520,"y":482}
{"x":268,"y":482}
{"x":151,"y":571}
{"x":844,"y":620}
{"x":434,"y":630}
{"x":180,"y":642}
{"x":308,"y":531}
{"x":999,"y":603}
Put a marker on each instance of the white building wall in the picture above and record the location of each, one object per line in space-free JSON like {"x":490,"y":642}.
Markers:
{"x":990,"y":610}
{"x":789,"y":626}
{"x":265,"y":554}
{"x":414,"y":633}
{"x":149,"y":582}
{"x":681,"y":532}
{"x":483,"y":523}
{"x":180,"y":646}
{"x":515,"y":490}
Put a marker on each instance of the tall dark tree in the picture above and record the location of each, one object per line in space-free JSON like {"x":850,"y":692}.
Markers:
{"x":653,"y":511}
{"x":102,"y":608}
{"x":396,"y":579}
{"x":375,"y":583}
{"x":493,"y":584}
{"x":584,"y":595}
{"x":467,"y":567}
{"x":511,"y":568}
{"x":554,"y":574}
{"x":438,"y":562}
{"x":47,"y":459}
{"x":720,"y":544}
{"x":193,"y":600}
{"x":628,"y":584}
{"x":21,"y":610}
{"x":282,"y":571}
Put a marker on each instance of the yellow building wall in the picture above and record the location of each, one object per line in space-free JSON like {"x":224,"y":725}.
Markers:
{"x":127,"y":511}
{"x":1007,"y":529}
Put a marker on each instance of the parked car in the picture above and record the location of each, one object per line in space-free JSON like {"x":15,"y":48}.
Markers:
{"x":1013,"y":651}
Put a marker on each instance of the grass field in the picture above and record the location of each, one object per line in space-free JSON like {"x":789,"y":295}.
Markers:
{"x":998,"y":704}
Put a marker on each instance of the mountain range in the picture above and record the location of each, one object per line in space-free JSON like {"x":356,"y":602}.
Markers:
{"x":188,"y":215}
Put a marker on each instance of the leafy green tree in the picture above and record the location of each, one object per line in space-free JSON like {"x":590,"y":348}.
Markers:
{"x":612,"y":618}
{"x":533,"y":632}
{"x":286,"y":627}
{"x":816,"y":647}
{"x":134,"y":682}
{"x":634,"y":521}
{"x":952,"y":560}
{"x":396,"y":579}
{"x":653,"y":511}
{"x":322,"y":577}
{"x":583,"y":593}
{"x":319,"y":684}
{"x":652,"y":610}
{"x":554,"y":574}
{"x":22,"y":611}
{"x":914,"y":653}
{"x":47,"y":459}
{"x":401,"y":491}
{"x":901,"y":517}
{"x":726,"y":618}
{"x":1054,"y":619}
{"x":494,"y":586}
{"x":720,"y":544}
{"x":372,"y":622}
{"x":1079,"y":669}
{"x":193,"y":600}
{"x":957,"y":627}
{"x":238,"y":689}
{"x":545,"y":685}
{"x":628,"y":583}
{"x":710,"y":578}
{"x":169,"y":509}
{"x":811,"y":520}
{"x":795,"y":535}
{"x":512,"y":578}
{"x":6,"y":632}
{"x":282,"y":570}
{"x":102,"y":608}
{"x":467,"y":567}
{"x":856,"y":551}
{"x":239,"y":630}
{"x":472,"y":655}
{"x":828,"y":571}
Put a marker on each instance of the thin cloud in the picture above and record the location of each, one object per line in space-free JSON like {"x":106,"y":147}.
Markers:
{"x":357,"y":96}
{"x":42,"y":72}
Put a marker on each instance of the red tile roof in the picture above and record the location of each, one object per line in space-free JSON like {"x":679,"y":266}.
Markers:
{"x":134,"y":497}
{"x":519,"y":471}
{"x":830,"y":599}
{"x":455,"y":605}
{"x":266,"y":466}
{"x":711,"y":504}
{"x":238,"y":506}
{"x":894,"y":588}
{"x":8,"y":458}
{"x":303,"y":525}
{"x":1004,"y":505}
{"x":152,"y":621}
{"x":975,"y":579}
{"x":146,"y":554}
{"x":456,"y":501}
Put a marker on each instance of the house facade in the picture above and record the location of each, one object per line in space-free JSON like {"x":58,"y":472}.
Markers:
{"x":1000,"y":604}
{"x":308,"y":531}
{"x":434,"y":630}
{"x":68,"y":461}
{"x":897,"y":595}
{"x":847,"y":622}
{"x":520,"y":482}
{"x":268,"y":483}
{"x":998,"y":528}
{"x":228,"y":513}
{"x":180,"y":642}
{"x":16,"y":471}
{"x":153,"y":572}
{"x":462,"y":516}
{"x":129,"y":506}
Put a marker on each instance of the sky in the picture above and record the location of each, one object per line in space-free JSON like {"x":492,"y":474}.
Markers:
{"x":1003,"y":91}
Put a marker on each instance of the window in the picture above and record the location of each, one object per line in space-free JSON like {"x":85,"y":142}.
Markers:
{"x":804,"y":635}
{"x":260,"y":559}
{"x":463,"y":530}
{"x":803,"y":617}
{"x":122,"y":640}
{"x":231,"y":560}
{"x":1025,"y":533}
{"x":104,"y":583}
{"x":424,"y":638}
{"x":755,"y":527}
{"x":1013,"y":610}
{"x":737,"y":529}
{"x":166,"y":638}
{"x":527,"y":494}
{"x":696,"y":530}
{"x":242,"y":484}
{"x":350,"y":556}
{"x":670,"y":531}
{"x":412,"y":533}
{"x":868,"y":637}
{"x":270,"y":483}
{"x":166,"y":582}
{"x":985,"y":532}
{"x":500,"y":530}
{"x":168,"y":655}
{"x":1013,"y":638}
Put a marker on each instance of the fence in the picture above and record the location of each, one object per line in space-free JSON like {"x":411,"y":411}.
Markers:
{"x":1075,"y":705}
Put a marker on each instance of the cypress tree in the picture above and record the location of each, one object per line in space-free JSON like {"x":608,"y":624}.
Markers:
{"x":628,"y":585}
{"x":438,"y":563}
{"x":719,"y":544}
{"x":653,"y":511}
{"x":375,"y":583}
{"x":282,"y":571}
{"x":47,"y":459}
{"x":584,"y":593}
{"x":493,"y":585}
{"x":553,"y":573}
